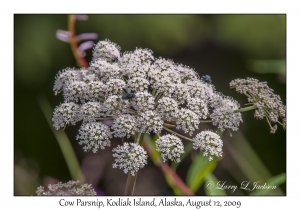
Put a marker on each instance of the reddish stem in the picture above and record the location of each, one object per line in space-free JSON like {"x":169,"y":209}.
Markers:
{"x":73,"y":42}
{"x":174,"y":178}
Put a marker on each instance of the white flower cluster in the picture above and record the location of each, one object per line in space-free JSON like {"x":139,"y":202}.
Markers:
{"x":224,"y":115}
{"x":143,"y":101}
{"x":64,"y":114}
{"x":90,"y":111}
{"x":106,"y":50}
{"x":94,"y":135}
{"x":210,"y":143}
{"x":70,"y":188}
{"x":268,"y":104}
{"x":139,"y":93}
{"x":167,"y":108}
{"x":149,"y":121}
{"x":198,"y":106}
{"x":130,"y":157}
{"x":187,"y":121}
{"x":170,"y":147}
{"x":113,"y":106}
{"x":124,"y":125}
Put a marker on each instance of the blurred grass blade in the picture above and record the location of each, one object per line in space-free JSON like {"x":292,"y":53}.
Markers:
{"x":273,"y":181}
{"x":213,"y":191}
{"x":198,"y":170}
{"x":187,"y":150}
{"x":248,"y":161}
{"x":63,"y":142}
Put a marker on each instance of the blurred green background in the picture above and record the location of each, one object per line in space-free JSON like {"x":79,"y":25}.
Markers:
{"x":225,"y":47}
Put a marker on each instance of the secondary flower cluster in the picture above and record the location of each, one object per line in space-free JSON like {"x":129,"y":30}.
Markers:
{"x":141,"y":94}
{"x":130,"y":157}
{"x":268,"y":104}
{"x":67,"y":189}
{"x":210,"y":143}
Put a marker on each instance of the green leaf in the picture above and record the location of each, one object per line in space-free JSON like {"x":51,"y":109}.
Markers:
{"x":199,"y":170}
{"x":273,"y":181}
{"x":213,"y":191}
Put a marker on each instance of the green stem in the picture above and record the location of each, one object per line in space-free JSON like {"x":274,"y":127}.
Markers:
{"x":153,"y":92}
{"x":132,"y":112}
{"x":281,"y":124}
{"x":205,"y":121}
{"x":245,"y":109}
{"x":108,"y":118}
{"x":130,"y":184}
{"x":177,"y":134}
{"x":138,"y":138}
{"x":158,"y":97}
{"x":169,"y":125}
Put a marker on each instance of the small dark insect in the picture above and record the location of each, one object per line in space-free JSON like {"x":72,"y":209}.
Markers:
{"x":127,"y":96}
{"x":115,"y":59}
{"x":206,"y":78}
